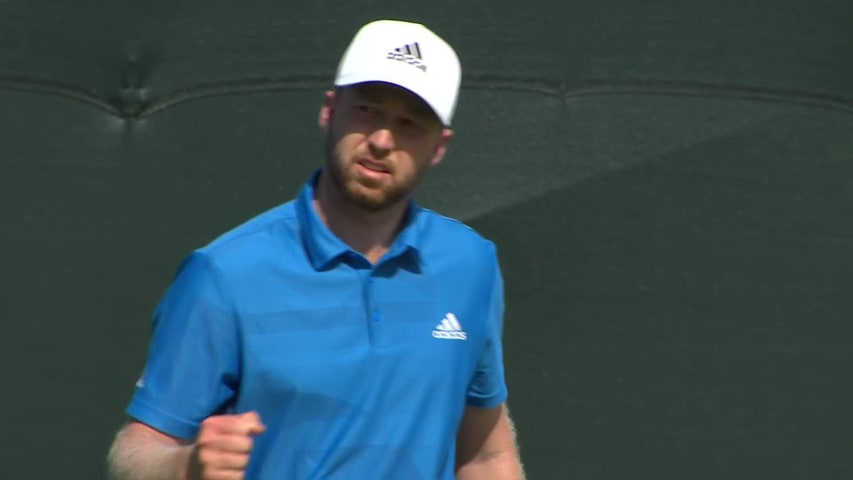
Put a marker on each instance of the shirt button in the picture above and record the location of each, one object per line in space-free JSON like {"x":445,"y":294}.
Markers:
{"x":377,"y":316}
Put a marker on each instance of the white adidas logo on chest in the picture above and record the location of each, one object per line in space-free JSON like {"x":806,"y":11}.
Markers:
{"x":449,"y":329}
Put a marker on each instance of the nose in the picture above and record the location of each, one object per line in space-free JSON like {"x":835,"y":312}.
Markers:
{"x":381,"y":140}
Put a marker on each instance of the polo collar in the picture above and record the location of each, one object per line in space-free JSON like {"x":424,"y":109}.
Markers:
{"x":324,"y":247}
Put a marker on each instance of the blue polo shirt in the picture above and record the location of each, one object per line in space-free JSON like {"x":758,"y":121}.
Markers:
{"x":358,"y":371}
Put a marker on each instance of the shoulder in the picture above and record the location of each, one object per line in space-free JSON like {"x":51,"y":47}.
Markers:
{"x":254,"y":238}
{"x":450,"y":238}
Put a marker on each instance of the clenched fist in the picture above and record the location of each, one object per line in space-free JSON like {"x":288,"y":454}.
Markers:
{"x":223,"y":446}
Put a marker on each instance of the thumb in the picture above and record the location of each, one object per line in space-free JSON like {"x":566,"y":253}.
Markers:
{"x":253,"y":423}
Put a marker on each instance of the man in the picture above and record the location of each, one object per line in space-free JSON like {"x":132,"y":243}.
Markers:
{"x":347,"y":334}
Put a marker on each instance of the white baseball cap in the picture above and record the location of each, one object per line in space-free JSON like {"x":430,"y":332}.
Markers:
{"x":408,"y":55}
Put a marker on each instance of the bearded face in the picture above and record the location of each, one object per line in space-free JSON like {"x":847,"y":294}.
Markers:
{"x":372,"y":192}
{"x":380,"y":141}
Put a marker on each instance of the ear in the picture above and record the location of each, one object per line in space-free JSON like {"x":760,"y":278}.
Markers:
{"x":326,"y":110}
{"x":441,"y":148}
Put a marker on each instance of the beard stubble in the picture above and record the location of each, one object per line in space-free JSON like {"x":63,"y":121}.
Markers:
{"x":370,"y":198}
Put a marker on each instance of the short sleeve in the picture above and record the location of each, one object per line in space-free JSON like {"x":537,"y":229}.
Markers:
{"x":488,"y":387}
{"x":193,"y":360}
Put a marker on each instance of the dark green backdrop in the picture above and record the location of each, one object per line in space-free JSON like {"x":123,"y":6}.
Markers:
{"x":669,"y":184}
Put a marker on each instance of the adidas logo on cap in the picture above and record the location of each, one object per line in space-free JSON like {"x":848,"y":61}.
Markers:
{"x":410,"y":53}
{"x":397,"y":52}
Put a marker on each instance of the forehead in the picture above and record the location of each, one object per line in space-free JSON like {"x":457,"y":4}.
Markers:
{"x":385,"y":93}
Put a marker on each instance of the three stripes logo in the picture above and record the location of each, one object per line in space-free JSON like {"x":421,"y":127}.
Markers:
{"x":449,"y":329}
{"x":409,"y":53}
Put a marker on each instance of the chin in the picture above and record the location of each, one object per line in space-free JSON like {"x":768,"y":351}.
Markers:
{"x":371,"y":201}
{"x":368,"y":194}
{"x":373,"y":198}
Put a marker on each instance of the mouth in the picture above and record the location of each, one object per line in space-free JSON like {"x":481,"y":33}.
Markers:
{"x":372,"y":168}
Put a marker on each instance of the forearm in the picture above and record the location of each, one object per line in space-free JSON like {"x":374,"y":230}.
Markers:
{"x":134,"y":455}
{"x":487,"y":447}
{"x":506,"y":466}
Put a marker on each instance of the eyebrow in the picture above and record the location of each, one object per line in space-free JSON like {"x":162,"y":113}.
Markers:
{"x":421,"y":109}
{"x":417,"y":106}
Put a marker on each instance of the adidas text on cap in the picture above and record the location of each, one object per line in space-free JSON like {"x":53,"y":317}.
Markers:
{"x":408,"y":55}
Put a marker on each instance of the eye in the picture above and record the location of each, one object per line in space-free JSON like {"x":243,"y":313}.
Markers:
{"x":366,"y":108}
{"x":411,"y":124}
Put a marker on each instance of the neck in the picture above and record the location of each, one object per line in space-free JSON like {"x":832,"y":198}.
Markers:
{"x":368,"y":232}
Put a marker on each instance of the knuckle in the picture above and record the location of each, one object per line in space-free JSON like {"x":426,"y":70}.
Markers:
{"x":205,"y":457}
{"x":238,"y":462}
{"x":203,"y":437}
{"x":210,"y":421}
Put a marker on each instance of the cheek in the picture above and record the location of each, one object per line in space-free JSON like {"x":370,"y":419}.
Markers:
{"x":416,"y":163}
{"x":422,"y":154}
{"x":346,"y":145}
